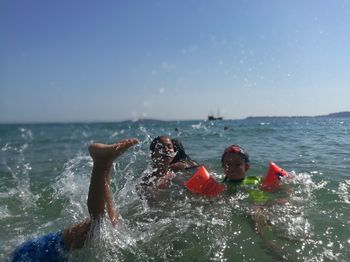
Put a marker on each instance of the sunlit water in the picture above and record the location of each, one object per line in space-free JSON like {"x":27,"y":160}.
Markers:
{"x":45,"y":173}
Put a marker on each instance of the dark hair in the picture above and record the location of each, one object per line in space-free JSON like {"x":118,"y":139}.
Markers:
{"x":180,"y":151}
{"x":236,"y":150}
{"x":155,"y":141}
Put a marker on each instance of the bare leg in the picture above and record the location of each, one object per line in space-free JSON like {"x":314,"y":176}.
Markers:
{"x":99,"y":195}
{"x":74,"y":237}
{"x":262,"y":227}
{"x":99,"y":191}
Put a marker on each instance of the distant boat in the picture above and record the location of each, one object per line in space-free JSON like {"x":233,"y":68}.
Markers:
{"x":212,"y":117}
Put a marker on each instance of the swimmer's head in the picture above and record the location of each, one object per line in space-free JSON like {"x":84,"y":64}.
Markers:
{"x":162,"y":150}
{"x":235,"y":162}
{"x":235,"y":149}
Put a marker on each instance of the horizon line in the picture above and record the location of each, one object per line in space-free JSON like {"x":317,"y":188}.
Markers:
{"x":162,"y":120}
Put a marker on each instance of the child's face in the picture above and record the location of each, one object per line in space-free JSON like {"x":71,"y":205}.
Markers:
{"x":234,"y":166}
{"x":164,"y":152}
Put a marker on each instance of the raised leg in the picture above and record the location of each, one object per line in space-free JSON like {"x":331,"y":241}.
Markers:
{"x":99,"y":192}
{"x":99,"y":196}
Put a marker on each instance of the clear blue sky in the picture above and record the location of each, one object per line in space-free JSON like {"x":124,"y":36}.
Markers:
{"x":116,"y":60}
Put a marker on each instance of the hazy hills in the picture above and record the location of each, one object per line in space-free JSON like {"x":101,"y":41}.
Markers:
{"x":332,"y":115}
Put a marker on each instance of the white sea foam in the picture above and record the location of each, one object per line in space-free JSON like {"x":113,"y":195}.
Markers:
{"x":344,"y":191}
{"x":311,"y":224}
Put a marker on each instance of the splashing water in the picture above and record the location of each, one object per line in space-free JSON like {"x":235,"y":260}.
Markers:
{"x":45,"y":171}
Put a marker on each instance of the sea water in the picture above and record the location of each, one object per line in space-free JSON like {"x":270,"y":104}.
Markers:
{"x":45,"y":172}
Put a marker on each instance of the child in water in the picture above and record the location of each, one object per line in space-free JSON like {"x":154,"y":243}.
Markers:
{"x":168,"y":156}
{"x":235,"y":162}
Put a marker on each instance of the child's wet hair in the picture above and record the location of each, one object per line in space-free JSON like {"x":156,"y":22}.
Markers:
{"x":154,"y":142}
{"x":180,"y":151}
{"x":236,"y":150}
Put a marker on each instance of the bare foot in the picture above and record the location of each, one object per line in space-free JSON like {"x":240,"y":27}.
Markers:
{"x":111,"y":151}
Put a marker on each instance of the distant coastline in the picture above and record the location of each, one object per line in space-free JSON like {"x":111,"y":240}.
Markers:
{"x":343,"y":114}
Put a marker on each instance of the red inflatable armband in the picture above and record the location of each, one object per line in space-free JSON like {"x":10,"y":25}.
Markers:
{"x":203,"y":183}
{"x":272,"y":179}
